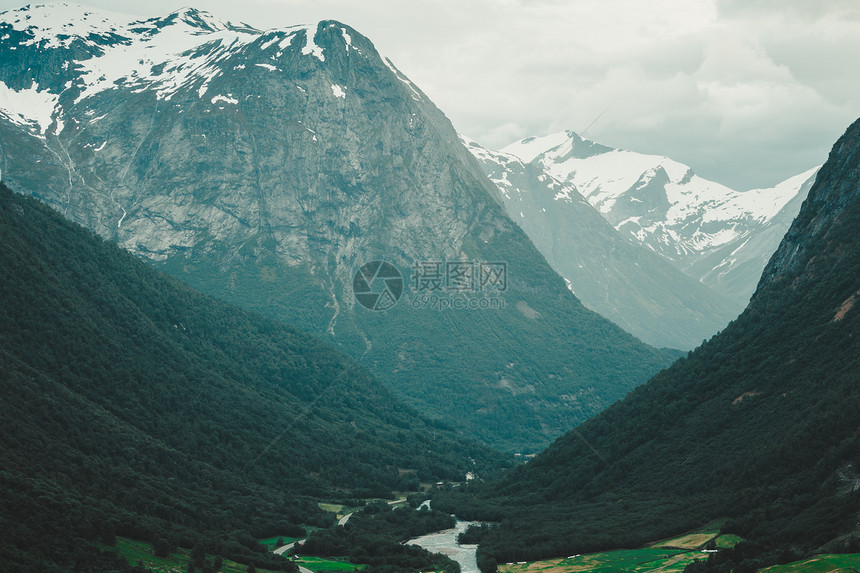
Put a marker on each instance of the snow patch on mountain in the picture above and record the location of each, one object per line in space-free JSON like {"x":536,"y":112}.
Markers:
{"x":225,"y":99}
{"x":59,"y":25}
{"x":30,"y":108}
{"x":310,"y":48}
{"x":347,"y":39}
{"x":416,"y":95}
{"x":530,"y":147}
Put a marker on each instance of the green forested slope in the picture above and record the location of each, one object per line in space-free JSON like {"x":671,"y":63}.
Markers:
{"x":760,"y":425}
{"x":133,"y":405}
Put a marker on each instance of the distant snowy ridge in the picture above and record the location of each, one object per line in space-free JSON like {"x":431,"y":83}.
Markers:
{"x":715,"y":234}
{"x":659,"y":201}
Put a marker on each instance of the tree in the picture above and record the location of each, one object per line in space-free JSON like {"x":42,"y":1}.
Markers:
{"x":198,"y":555}
{"x":107,"y":533}
{"x":161,"y":547}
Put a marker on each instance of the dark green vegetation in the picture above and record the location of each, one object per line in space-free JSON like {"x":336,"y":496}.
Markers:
{"x":132,"y":405}
{"x":759,"y":425}
{"x":374,"y":536}
{"x":474,"y":534}
{"x":273,"y":202}
{"x":176,"y":559}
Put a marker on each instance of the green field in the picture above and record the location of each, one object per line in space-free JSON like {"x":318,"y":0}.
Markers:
{"x":698,"y":538}
{"x":728,"y":541}
{"x":271,"y":543}
{"x":698,"y":541}
{"x":335,"y":508}
{"x":666,"y":556}
{"x":690,"y":541}
{"x":141,"y":552}
{"x":340,"y":510}
{"x":845,"y":563}
{"x":621,"y":561}
{"x":321,"y":565}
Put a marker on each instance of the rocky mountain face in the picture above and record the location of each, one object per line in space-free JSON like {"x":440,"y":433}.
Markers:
{"x":716,"y":235}
{"x":758,"y":425}
{"x":822,"y":239}
{"x":622,"y":280}
{"x":268,"y":167}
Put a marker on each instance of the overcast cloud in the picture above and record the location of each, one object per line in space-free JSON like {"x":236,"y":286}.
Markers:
{"x":747,"y":92}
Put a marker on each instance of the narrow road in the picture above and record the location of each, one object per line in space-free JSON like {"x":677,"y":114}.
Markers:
{"x":284,"y":548}
{"x":342,"y":521}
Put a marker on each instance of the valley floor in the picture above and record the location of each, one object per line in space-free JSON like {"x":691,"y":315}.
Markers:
{"x":622,"y":560}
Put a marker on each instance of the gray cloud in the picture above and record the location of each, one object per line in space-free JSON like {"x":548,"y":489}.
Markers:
{"x":746,"y":92}
{"x":801,"y":8}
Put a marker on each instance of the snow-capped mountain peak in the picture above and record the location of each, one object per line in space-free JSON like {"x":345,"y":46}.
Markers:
{"x":659,"y":201}
{"x":201,"y":19}
{"x":529,"y":148}
{"x":183,"y":51}
{"x":58,"y":25}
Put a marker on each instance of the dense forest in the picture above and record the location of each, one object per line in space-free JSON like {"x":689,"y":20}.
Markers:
{"x":132,"y":405}
{"x":759,"y":426}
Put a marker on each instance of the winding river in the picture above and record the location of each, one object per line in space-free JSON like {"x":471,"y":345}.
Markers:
{"x":445,"y":542}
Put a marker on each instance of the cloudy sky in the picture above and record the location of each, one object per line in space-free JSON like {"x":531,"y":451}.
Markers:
{"x":747,"y":92}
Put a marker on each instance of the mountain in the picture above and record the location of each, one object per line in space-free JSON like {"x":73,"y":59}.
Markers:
{"x":758,"y":426}
{"x":626,"y":282}
{"x":132,"y":405}
{"x":277,"y":170}
{"x":719,"y":236}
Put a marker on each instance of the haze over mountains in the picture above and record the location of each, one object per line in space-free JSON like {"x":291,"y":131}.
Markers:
{"x":622,"y":280}
{"x":716,"y":236}
{"x":266,"y":167}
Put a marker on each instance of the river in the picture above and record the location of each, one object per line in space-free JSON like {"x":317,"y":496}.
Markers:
{"x":445,"y":542}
